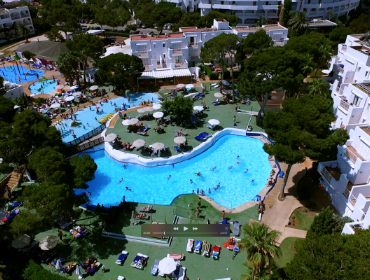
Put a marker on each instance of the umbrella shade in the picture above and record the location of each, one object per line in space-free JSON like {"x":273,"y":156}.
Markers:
{"x":93,"y":87}
{"x":59,"y":87}
{"x":53,"y":93}
{"x":158,"y":115}
{"x":69,"y":98}
{"x":189,"y":86}
{"x":225,"y":83}
{"x":55,"y":105}
{"x":158,"y":146}
{"x":48,"y":243}
{"x":127,"y":91}
{"x":138,"y":143}
{"x":214,"y":122}
{"x":77,"y":93}
{"x":22,"y":241}
{"x":67,"y":88}
{"x":167,"y":265}
{"x":218,"y":94}
{"x":180,"y":140}
{"x":180,"y":86}
{"x":58,"y":265}
{"x":130,"y":122}
{"x":149,"y":109}
{"x":198,"y":108}
{"x":110,"y":137}
{"x":157,"y":106}
{"x":141,"y":110}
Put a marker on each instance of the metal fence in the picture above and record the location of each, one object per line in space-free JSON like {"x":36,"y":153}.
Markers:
{"x":86,"y":136}
{"x":90,"y":144}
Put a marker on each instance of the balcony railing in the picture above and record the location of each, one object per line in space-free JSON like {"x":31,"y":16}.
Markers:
{"x":351,"y":155}
{"x":344,"y":105}
{"x":326,"y":174}
{"x":352,"y":200}
{"x":346,"y":193}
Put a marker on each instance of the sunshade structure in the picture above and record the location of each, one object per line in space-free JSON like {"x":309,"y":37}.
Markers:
{"x":93,"y":88}
{"x":138,"y":143}
{"x":214,"y":122}
{"x":69,"y":98}
{"x":218,"y":94}
{"x":198,"y":108}
{"x":127,"y":91}
{"x":189,"y":86}
{"x":225,"y":83}
{"x":48,"y":243}
{"x":130,"y":122}
{"x":180,"y":140}
{"x":79,"y":272}
{"x":158,"y":115}
{"x":158,"y":146}
{"x":167,"y":265}
{"x":110,"y":137}
{"x":22,"y":241}
{"x":59,"y":87}
{"x":55,"y":105}
{"x":145,"y":109}
{"x":44,"y":49}
{"x":77,"y":93}
{"x":180,"y":86}
{"x":157,"y":106}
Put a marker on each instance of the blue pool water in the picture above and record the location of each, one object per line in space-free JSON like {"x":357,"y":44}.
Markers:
{"x":11,"y":73}
{"x":150,"y":184}
{"x":44,"y":86}
{"x":87,"y":116}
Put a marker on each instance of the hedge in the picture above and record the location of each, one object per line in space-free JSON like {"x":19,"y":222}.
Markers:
{"x":208,"y":70}
{"x":35,"y":271}
{"x":213,"y":76}
{"x":236,"y":74}
{"x":227,"y":75}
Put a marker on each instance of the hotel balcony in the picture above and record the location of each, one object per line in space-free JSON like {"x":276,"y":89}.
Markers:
{"x":352,"y":154}
{"x":15,"y":16}
{"x":351,"y":228}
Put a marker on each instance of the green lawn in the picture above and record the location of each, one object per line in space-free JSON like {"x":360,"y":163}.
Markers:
{"x":286,"y":251}
{"x":304,"y":220}
{"x":106,"y":250}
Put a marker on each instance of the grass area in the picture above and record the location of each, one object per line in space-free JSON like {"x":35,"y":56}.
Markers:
{"x":3,"y":175}
{"x":224,"y":113}
{"x":286,"y":251}
{"x":304,"y":221}
{"x":106,"y":250}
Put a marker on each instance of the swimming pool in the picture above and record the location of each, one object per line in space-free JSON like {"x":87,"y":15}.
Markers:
{"x":87,"y":116}
{"x":43,"y":87}
{"x":150,"y":184}
{"x":20,"y":74}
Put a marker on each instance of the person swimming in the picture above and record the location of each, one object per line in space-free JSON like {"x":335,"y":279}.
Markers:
{"x":120,"y":181}
{"x":252,"y":180}
{"x":246,"y":171}
{"x":191,"y":182}
{"x":237,"y":157}
{"x":219,"y":185}
{"x":209,"y":190}
{"x":128,"y":189}
{"x":169,"y":177}
{"x":230,"y":167}
{"x":214,"y":168}
{"x":198,"y":174}
{"x":238,"y":162}
{"x":125,"y":166}
{"x":193,"y":192}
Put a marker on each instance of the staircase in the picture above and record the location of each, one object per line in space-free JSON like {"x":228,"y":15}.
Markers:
{"x":14,"y":178}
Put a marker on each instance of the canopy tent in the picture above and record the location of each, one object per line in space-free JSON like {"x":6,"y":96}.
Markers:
{"x":44,"y":49}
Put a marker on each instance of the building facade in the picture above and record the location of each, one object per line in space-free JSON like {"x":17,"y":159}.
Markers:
{"x":182,"y":49}
{"x":347,"y":179}
{"x":20,"y":15}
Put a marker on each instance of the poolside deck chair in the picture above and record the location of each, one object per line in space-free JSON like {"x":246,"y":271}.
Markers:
{"x":69,"y":268}
{"x":154,"y":269}
{"x":176,"y":257}
{"x":139,"y":261}
{"x":120,"y":277}
{"x":216,"y":252}
{"x":146,"y":209}
{"x":198,"y":246}
{"x":189,"y":246}
{"x":175,"y":275}
{"x":236,"y":228}
{"x":177,"y":149}
{"x":121,"y":258}
{"x":142,"y":216}
{"x":207,"y":250}
{"x":92,"y":270}
{"x":182,"y":273}
{"x":223,"y":222}
{"x":78,"y":232}
{"x":175,"y":133}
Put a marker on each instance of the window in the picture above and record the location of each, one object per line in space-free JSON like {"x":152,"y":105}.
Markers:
{"x":222,"y":2}
{"x":359,"y":68}
{"x":356,"y":100}
{"x":367,"y":72}
{"x":154,"y":46}
{"x":368,"y":107}
{"x":164,"y":45}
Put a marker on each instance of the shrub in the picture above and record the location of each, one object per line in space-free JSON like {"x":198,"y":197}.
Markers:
{"x":236,"y":74}
{"x":227,"y":75}
{"x":213,"y":76}
{"x":208,"y":70}
{"x":35,"y":271}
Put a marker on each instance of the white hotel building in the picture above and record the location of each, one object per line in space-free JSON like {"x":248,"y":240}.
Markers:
{"x":347,"y":179}
{"x":20,"y":15}
{"x":182,"y":50}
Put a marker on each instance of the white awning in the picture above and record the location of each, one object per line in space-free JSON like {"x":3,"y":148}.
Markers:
{"x":141,"y":44}
{"x":167,"y":73}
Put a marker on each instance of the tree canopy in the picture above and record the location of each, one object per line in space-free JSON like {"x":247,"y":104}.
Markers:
{"x":180,"y":106}
{"x":84,"y":168}
{"x":255,"y":42}
{"x":360,"y":24}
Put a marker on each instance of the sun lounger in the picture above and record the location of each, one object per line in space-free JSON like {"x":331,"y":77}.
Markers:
{"x":207,"y":250}
{"x":202,"y":136}
{"x":176,"y":273}
{"x":182,"y":273}
{"x":176,"y":257}
{"x":224,"y":222}
{"x":146,"y":209}
{"x":120,"y":277}
{"x":121,"y":258}
{"x":95,"y":268}
{"x":142,"y":216}
{"x":189,"y":246}
{"x":139,"y":261}
{"x":216,"y":252}
{"x":69,"y":268}
{"x":198,"y":247}
{"x":177,"y":149}
{"x":154,"y":269}
{"x":78,"y":232}
{"x":236,"y":228}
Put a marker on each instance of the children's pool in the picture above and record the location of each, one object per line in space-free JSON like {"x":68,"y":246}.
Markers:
{"x":20,"y":74}
{"x":90,"y":119}
{"x":151,"y":184}
{"x":43,"y":87}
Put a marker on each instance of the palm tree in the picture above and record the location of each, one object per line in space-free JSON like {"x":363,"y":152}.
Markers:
{"x":298,"y":21}
{"x":331,"y":14}
{"x":22,"y":29}
{"x":308,"y":64}
{"x":319,"y":86}
{"x":68,"y":65}
{"x":260,"y":243}
{"x":325,"y":51}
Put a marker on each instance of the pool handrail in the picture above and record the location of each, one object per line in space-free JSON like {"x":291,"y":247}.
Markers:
{"x":86,"y":136}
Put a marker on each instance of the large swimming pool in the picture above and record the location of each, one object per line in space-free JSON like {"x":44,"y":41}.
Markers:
{"x":44,"y":86}
{"x":151,"y":184}
{"x":90,"y":119}
{"x":20,"y":74}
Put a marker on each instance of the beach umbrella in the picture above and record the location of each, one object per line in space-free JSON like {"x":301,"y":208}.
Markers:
{"x":22,"y":241}
{"x":214,"y":122}
{"x":77,"y":93}
{"x":225,"y":83}
{"x":55,"y":105}
{"x":59,"y":87}
{"x":141,"y":110}
{"x":180,"y":86}
{"x":157,"y":106}
{"x":48,"y":243}
{"x":138,"y":143}
{"x":189,"y":86}
{"x":69,"y":98}
{"x":110,"y":137}
{"x":167,"y":265}
{"x":79,"y":271}
{"x":130,"y":122}
{"x":58,"y":265}
{"x":158,"y":115}
{"x":179,"y":140}
{"x":198,"y":108}
{"x":53,"y":93}
{"x":93,"y":87}
{"x":127,"y":91}
{"x":218,"y":94}
{"x":158,"y":146}
{"x":148,"y":109}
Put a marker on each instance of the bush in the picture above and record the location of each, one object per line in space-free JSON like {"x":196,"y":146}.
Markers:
{"x":227,"y":75}
{"x":213,"y":76}
{"x":208,"y":70}
{"x":35,"y":271}
{"x":236,"y":74}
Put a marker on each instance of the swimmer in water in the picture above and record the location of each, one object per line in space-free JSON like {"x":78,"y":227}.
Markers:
{"x":125,"y":166}
{"x":191,"y":182}
{"x":198,"y":174}
{"x":193,"y":192}
{"x":230,"y":167}
{"x":214,"y":168}
{"x":252,"y":181}
{"x":120,"y":181}
{"x":246,"y":171}
{"x":169,"y":177}
{"x":238,"y":162}
{"x":237,"y":156}
{"x":219,"y":185}
{"x":128,"y":189}
{"x":209,"y":190}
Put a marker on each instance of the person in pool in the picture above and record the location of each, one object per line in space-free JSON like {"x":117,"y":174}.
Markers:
{"x":198,"y":174}
{"x":230,"y":167}
{"x":214,"y":168}
{"x":246,"y":171}
{"x":191,"y":182}
{"x":128,"y":189}
{"x":169,"y":177}
{"x":120,"y":181}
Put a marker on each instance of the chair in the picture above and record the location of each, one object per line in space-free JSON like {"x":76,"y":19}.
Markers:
{"x":175,"y":133}
{"x":176,"y":273}
{"x":198,"y":247}
{"x":120,"y":277}
{"x":216,"y":252}
{"x":177,"y":149}
{"x":78,"y":232}
{"x":154,"y":269}
{"x":207,"y":250}
{"x":139,"y":261}
{"x":121,"y":258}
{"x":176,"y":257}
{"x":146,"y":209}
{"x":182,"y":273}
{"x":69,"y":268}
{"x":189,"y":245}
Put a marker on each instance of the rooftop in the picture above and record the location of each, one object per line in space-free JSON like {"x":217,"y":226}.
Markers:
{"x":256,"y":28}
{"x":195,"y":29}
{"x":365,"y":49}
{"x":321,"y":23}
{"x":156,"y":38}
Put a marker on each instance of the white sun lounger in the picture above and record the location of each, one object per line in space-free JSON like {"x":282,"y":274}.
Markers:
{"x":189,"y":246}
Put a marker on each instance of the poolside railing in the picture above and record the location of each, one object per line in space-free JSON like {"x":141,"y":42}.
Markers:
{"x":90,"y":144}
{"x":86,"y":136}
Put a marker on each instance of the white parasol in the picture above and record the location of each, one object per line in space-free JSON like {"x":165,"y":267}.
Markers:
{"x":157,"y":106}
{"x":55,"y":105}
{"x":130,"y":121}
{"x":48,"y":243}
{"x":93,"y":87}
{"x":77,"y":93}
{"x":138,"y":143}
{"x":180,"y":140}
{"x":22,"y":241}
{"x":67,"y":88}
{"x":214,"y":122}
{"x":158,"y":115}
{"x":189,"y":86}
{"x":69,"y":98}
{"x":167,"y":265}
{"x":110,"y":137}
{"x":198,"y":108}
{"x":158,"y":146}
{"x":180,"y":86}
{"x":218,"y":94}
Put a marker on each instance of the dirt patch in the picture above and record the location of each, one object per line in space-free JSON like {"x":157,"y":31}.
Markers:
{"x":306,"y":211}
{"x":294,"y":220}
{"x":294,"y":251}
